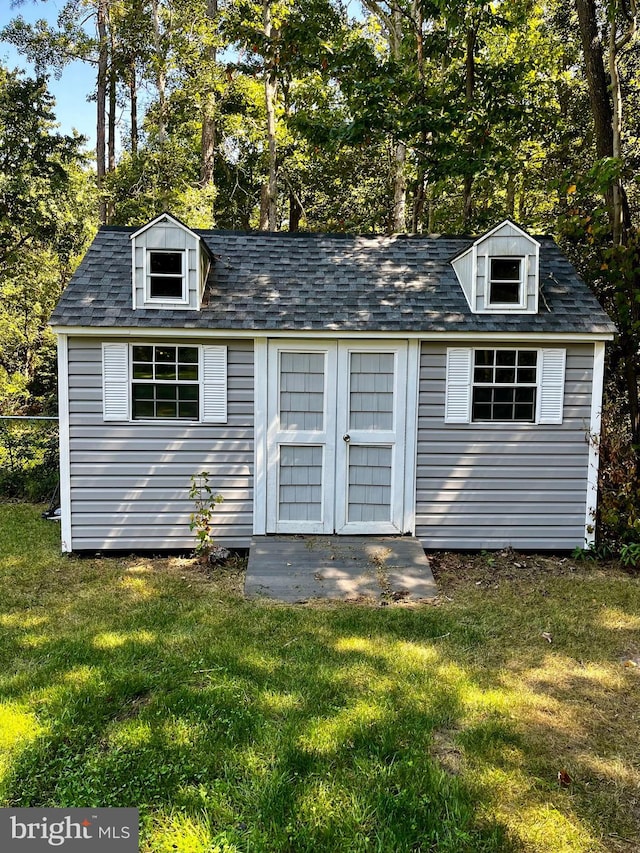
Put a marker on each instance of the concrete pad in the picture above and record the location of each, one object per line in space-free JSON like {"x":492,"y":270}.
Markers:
{"x":299,"y":568}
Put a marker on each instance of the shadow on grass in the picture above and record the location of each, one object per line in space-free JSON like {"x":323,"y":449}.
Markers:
{"x":259,"y":727}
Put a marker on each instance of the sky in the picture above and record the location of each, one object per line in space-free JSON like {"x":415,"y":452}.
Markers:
{"x":72,"y":109}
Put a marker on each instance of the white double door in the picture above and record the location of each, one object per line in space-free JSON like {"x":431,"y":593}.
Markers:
{"x":336,"y":437}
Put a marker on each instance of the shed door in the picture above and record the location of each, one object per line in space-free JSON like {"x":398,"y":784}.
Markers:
{"x":336,"y":426}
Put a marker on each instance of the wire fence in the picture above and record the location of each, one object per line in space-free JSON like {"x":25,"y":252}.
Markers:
{"x":29,"y":456}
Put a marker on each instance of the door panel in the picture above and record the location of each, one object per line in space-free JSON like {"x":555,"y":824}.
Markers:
{"x":372,"y":386}
{"x":335,"y":439}
{"x":300,"y":437}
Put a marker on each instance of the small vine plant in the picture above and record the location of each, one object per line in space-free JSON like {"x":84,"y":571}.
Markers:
{"x":205,"y":501}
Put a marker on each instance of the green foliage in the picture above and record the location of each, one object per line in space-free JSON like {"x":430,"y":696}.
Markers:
{"x":205,"y":501}
{"x":28,"y":459}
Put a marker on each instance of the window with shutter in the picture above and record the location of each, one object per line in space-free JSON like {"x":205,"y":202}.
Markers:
{"x":504,"y":385}
{"x":164,"y":382}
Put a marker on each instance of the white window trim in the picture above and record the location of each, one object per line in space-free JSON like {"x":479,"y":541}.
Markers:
{"x":212,"y":383}
{"x":537,"y":384}
{"x":506,"y":306}
{"x":468,"y":419}
{"x":159,"y":300}
{"x":199,"y":383}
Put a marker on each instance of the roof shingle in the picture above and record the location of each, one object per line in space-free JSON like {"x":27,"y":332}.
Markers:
{"x":320,"y":282}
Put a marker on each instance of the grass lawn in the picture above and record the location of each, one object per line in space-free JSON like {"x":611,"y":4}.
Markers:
{"x":245,"y":726}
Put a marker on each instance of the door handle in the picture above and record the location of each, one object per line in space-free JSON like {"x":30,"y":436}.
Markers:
{"x":346,"y":437}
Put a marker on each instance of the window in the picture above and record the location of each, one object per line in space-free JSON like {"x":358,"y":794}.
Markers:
{"x":504,"y":385}
{"x":166,"y":275}
{"x":505,"y":281}
{"x":165,"y":382}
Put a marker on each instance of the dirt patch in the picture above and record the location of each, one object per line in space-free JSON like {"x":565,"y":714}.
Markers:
{"x":490,"y":569}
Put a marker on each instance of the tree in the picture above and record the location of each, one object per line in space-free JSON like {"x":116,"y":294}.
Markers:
{"x":45,"y":222}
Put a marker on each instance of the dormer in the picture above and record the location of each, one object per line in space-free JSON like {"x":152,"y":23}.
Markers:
{"x":499,"y":271}
{"x":170,"y":264}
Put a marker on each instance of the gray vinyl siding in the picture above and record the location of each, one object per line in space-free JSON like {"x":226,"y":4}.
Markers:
{"x":130,"y":481}
{"x":463,"y":267}
{"x":493,"y":486}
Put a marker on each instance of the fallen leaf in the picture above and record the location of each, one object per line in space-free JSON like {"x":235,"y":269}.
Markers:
{"x":564,"y":780}
{"x":547,"y":636}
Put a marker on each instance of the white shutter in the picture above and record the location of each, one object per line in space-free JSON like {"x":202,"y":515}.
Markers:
{"x":551,"y":395}
{"x":214,"y":384}
{"x":457,"y":408}
{"x":115,"y":382}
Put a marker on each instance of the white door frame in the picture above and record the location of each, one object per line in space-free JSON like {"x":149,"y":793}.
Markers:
{"x":266,"y":429}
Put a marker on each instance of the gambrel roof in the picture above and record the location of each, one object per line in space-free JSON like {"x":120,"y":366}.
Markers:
{"x":319,"y":282}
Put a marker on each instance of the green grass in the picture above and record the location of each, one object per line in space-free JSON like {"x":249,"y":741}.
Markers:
{"x":248,"y":726}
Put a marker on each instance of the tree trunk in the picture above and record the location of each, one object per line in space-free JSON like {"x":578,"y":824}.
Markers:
{"x":112,"y":73}
{"x":596,"y":77}
{"x":161,"y":81}
{"x":270,"y":95}
{"x":208,"y":135}
{"x":295,"y":211}
{"x":399,"y":183}
{"x":511,"y":195}
{"x":133,"y":98}
{"x":419,"y":190}
{"x":470,"y":88}
{"x":101,"y":105}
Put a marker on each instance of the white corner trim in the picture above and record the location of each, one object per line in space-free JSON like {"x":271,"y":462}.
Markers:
{"x":260,"y":350}
{"x":133,"y":274}
{"x":594,"y":442}
{"x":411,"y":437}
{"x":65,"y":460}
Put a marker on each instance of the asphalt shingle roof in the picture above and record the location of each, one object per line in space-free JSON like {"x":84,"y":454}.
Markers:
{"x":298,"y":282}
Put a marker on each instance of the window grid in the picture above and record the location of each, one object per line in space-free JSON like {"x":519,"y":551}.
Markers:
{"x":165,"y":383}
{"x":505,"y":281}
{"x":504,"y":385}
{"x":166,"y":274}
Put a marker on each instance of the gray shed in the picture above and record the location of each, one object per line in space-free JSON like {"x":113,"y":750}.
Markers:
{"x":446,"y":387}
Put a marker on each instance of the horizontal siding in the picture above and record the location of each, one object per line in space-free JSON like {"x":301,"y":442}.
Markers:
{"x":130,"y":482}
{"x":486,"y":486}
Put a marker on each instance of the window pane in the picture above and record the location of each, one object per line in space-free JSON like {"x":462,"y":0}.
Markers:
{"x":505,"y":375}
{"x":165,"y":409}
{"x":165,"y":287}
{"x":188,"y":410}
{"x":525,"y":395}
{"x":504,"y":293}
{"x":143,"y":392}
{"x":485,"y":356}
{"x":187,"y":392}
{"x":142,"y":409}
{"x":166,"y":392}
{"x":165,"y":371}
{"x":143,"y":371}
{"x":527,"y":358}
{"x":166,"y":263}
{"x":143,"y":353}
{"x":502,"y":412}
{"x":165,"y":354}
{"x":481,"y":412}
{"x":188,"y":355}
{"x":483,"y":374}
{"x":505,"y":269}
{"x":503,"y":395}
{"x":188,"y":371}
{"x":505,"y":357}
{"x":524,"y":412}
{"x":483,"y":395}
{"x":526,"y":374}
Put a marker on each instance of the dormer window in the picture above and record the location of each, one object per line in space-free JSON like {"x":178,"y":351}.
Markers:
{"x":166,"y":279}
{"x":505,"y":282}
